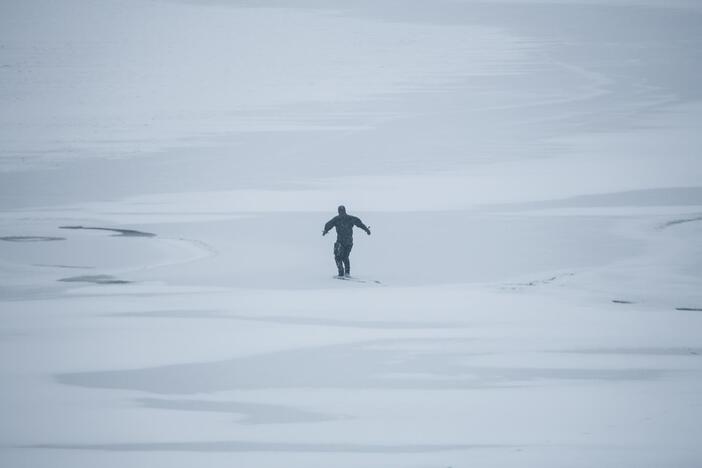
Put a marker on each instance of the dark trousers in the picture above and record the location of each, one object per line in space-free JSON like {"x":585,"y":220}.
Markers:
{"x":341,"y":257}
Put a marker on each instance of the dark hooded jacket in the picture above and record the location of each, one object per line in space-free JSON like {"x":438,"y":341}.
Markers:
{"x":344,"y":226}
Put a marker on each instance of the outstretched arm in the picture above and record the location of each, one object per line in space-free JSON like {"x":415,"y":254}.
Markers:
{"x":358,"y":223}
{"x":330,"y":224}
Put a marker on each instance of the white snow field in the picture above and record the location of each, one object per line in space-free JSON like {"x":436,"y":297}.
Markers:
{"x":531,"y":293}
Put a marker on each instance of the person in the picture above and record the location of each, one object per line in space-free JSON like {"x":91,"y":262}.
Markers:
{"x":344,"y":224}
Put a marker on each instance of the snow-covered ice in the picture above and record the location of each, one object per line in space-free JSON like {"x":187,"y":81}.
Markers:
{"x":531,"y":292}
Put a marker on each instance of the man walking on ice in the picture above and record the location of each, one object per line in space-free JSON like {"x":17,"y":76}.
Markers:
{"x":344,"y":239}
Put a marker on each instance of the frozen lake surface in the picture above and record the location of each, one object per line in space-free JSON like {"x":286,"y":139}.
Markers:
{"x":531,"y":293}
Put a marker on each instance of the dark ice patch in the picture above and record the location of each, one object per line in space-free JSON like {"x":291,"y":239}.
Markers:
{"x":69,"y":267}
{"x":642,"y":351}
{"x":675,"y":222}
{"x":96,"y":279}
{"x":672,"y":196}
{"x":31,"y":238}
{"x":381,"y":364}
{"x":267,"y":447}
{"x":296,"y":320}
{"x":621,"y":301}
{"x":118,"y":232}
{"x":250,"y":413}
{"x":689,"y":309}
